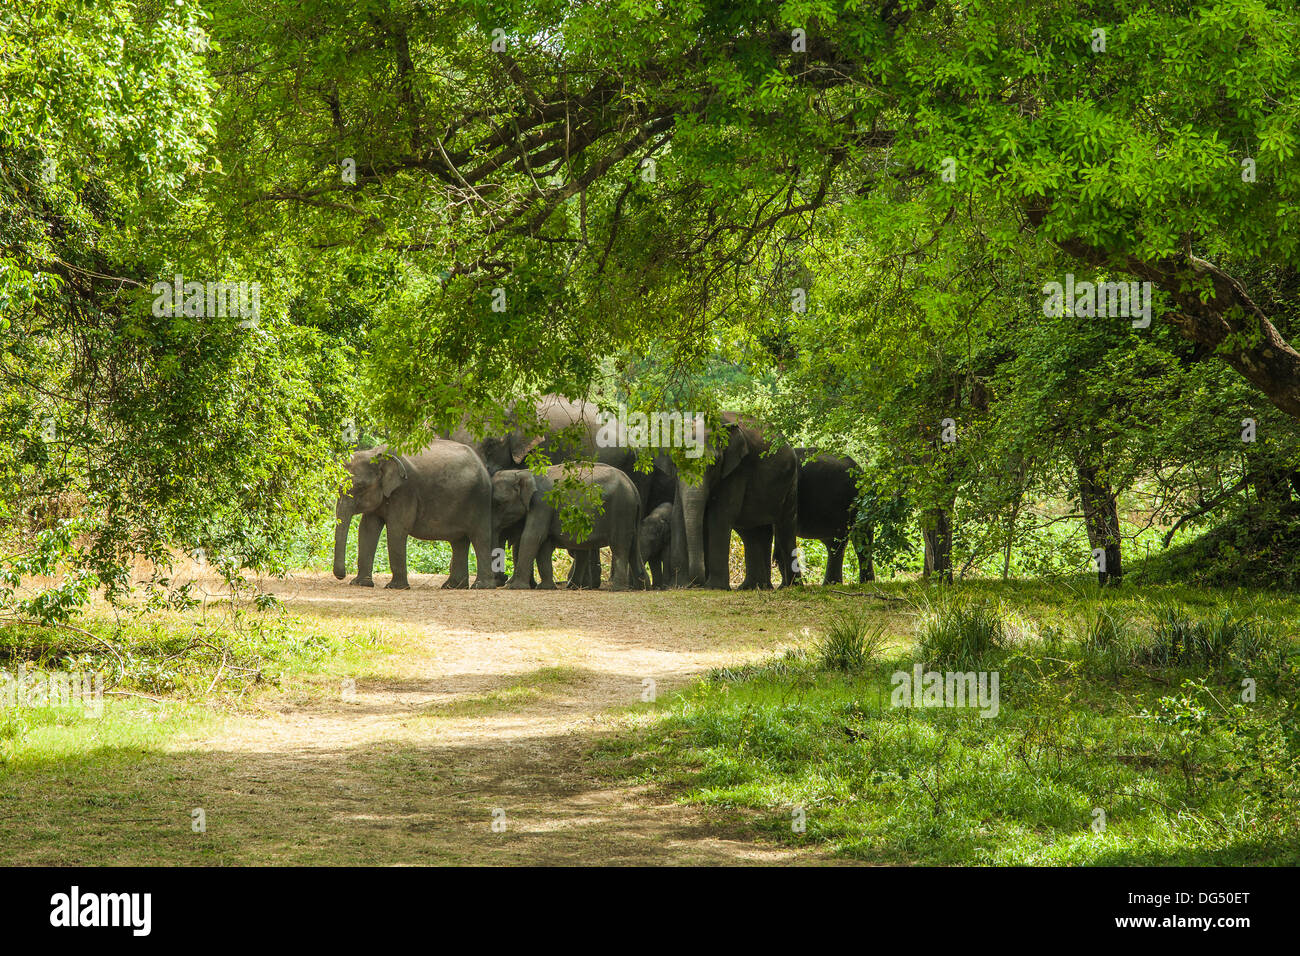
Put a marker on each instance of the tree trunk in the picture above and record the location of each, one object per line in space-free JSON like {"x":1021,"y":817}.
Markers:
{"x":936,"y":529}
{"x":1101,"y":517}
{"x":1011,"y":535}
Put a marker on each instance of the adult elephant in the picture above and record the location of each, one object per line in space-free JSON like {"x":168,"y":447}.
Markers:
{"x":828,"y":511}
{"x":750,"y":485}
{"x":442,"y":493}
{"x":563,"y":430}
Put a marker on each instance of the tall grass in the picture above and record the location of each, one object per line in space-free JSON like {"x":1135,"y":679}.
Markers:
{"x":1231,"y":636}
{"x":1168,"y":634}
{"x":959,"y":632}
{"x":852,"y":641}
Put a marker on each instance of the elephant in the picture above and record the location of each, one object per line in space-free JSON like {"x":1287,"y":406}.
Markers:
{"x":563,"y":430}
{"x":749,"y":485}
{"x":654,"y":540}
{"x":519,"y":494}
{"x":442,"y":493}
{"x":828,"y":511}
{"x":662,"y":486}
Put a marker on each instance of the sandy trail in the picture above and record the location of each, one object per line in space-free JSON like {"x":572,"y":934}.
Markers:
{"x":487,"y":707}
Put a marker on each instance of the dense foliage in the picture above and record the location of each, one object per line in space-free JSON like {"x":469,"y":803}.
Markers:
{"x":839,"y":216}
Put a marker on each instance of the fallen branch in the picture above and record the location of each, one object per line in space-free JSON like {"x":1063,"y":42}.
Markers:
{"x":128,"y":693}
{"x":872,"y":594}
{"x":221,"y":668}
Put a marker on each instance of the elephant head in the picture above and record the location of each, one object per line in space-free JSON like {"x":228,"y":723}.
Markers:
{"x":731,"y":449}
{"x":500,"y":453}
{"x":512,"y":493}
{"x":508,"y":453}
{"x":655,"y":532}
{"x":375,"y":475}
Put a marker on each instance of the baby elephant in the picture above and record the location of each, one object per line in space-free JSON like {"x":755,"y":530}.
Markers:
{"x":522,"y":495}
{"x":656,"y":533}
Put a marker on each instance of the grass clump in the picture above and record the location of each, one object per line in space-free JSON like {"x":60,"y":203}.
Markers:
{"x":852,"y":642}
{"x":960,"y":632}
{"x":1229,"y":637}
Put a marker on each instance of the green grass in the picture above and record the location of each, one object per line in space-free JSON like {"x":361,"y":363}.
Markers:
{"x":1126,"y":704}
{"x":164,"y":674}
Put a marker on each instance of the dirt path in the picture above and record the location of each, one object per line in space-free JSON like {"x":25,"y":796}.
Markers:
{"x":487,"y":706}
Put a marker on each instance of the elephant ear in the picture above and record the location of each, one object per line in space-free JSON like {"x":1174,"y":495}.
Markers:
{"x":526,"y":485}
{"x":392,"y":472}
{"x":518,"y":494}
{"x":736,"y":451}
{"x":521,"y":445}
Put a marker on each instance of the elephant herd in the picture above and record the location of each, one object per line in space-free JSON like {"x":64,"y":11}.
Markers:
{"x":478,"y":493}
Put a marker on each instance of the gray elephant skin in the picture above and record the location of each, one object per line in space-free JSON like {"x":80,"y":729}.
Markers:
{"x":563,"y":430}
{"x":750,"y":485}
{"x":655,"y":540}
{"x":828,"y":499}
{"x":519,"y":494}
{"x":442,"y":493}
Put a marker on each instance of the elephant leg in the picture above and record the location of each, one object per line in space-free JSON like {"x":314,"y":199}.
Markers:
{"x":638,"y":580}
{"x":577,"y":573}
{"x":787,"y":543}
{"x":397,"y":559}
{"x":718,"y":522}
{"x":367,"y":543}
{"x":546,"y":569}
{"x":515,"y":540}
{"x":459,"y":576}
{"x":529,"y":550}
{"x":518,"y":550}
{"x":657,"y":574}
{"x":834,"y":560}
{"x":586,"y":571}
{"x":621,"y":556}
{"x":758,"y":558}
{"x":581,"y":577}
{"x":499,"y":544}
{"x":484,"y":576}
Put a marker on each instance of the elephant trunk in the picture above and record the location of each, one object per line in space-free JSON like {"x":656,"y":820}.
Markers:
{"x":694,"y":498}
{"x":343,"y":512}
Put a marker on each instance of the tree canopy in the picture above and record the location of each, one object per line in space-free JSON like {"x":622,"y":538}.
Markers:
{"x":855,"y":207}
